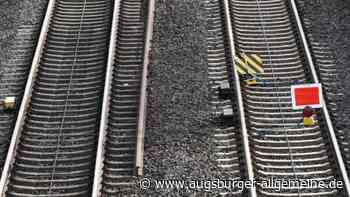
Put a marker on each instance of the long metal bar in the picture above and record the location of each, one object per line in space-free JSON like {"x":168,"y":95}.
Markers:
{"x":324,"y":108}
{"x":248,"y":157}
{"x":143,"y":95}
{"x":26,"y":98}
{"x":96,"y":188}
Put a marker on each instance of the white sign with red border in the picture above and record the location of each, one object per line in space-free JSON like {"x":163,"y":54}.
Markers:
{"x":307,"y":95}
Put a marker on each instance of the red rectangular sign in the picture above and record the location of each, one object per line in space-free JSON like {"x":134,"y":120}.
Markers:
{"x":306,"y":95}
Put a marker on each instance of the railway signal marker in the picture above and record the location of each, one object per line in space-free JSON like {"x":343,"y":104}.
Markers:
{"x":306,"y":95}
{"x":249,"y":64}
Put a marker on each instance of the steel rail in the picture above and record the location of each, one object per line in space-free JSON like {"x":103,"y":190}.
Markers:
{"x":143,"y":94}
{"x":247,"y":154}
{"x":96,"y":188}
{"x":26,"y":98}
{"x":311,"y":64}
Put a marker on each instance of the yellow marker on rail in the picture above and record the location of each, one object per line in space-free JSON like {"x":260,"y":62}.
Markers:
{"x":249,"y":64}
{"x":255,"y":62}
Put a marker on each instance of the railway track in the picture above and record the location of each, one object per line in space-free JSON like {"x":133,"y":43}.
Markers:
{"x":53,"y":147}
{"x":276,"y":145}
{"x":120,"y":152}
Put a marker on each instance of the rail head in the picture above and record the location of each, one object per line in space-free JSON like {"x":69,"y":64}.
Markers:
{"x":96,"y":188}
{"x":245,"y":137}
{"x":325,"y":112}
{"x":11,"y":153}
{"x":141,"y":125}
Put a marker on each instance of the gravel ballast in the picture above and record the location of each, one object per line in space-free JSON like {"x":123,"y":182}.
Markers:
{"x":13,"y":14}
{"x":179,"y":129}
{"x":19,"y":27}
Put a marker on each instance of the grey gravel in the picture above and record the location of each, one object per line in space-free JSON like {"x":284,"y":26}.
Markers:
{"x":15,"y":16}
{"x":14,"y":13}
{"x":178,"y":134}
